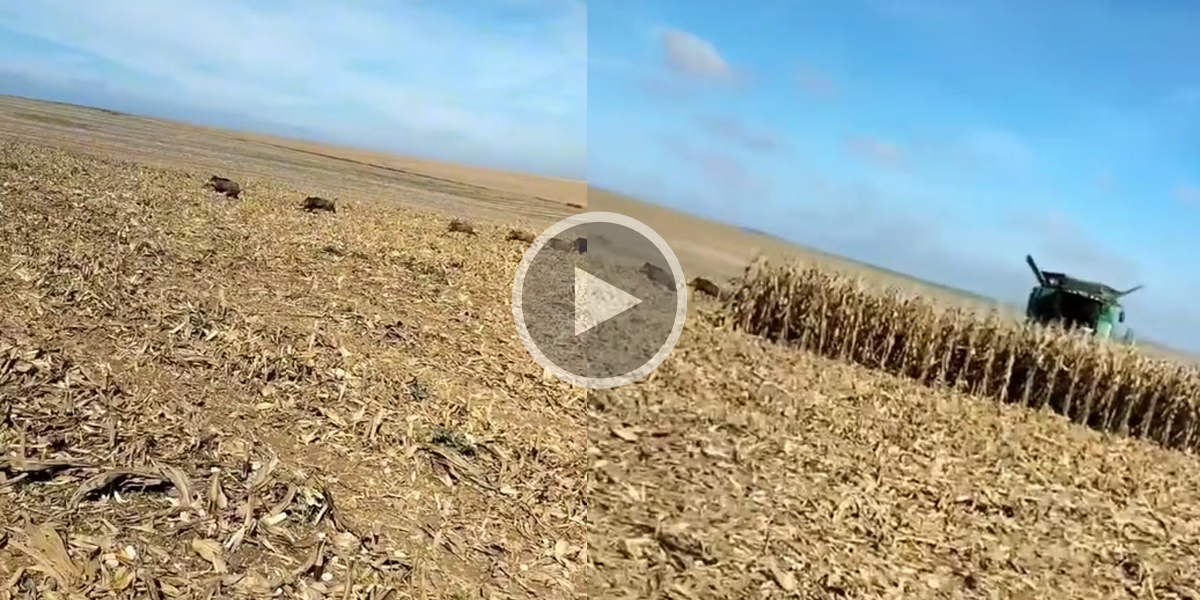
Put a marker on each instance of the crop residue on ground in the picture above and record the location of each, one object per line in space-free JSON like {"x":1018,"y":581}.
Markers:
{"x":207,"y":397}
{"x":203,"y":397}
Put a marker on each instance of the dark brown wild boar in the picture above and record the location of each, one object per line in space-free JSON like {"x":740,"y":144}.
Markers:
{"x":656,"y":274}
{"x":315,"y":203}
{"x":558,"y":244}
{"x":225,"y":186}
{"x":521,"y":236}
{"x":460,"y":226}
{"x":706,"y":286}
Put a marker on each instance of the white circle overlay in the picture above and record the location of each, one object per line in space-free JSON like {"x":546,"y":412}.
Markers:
{"x":600,"y":383}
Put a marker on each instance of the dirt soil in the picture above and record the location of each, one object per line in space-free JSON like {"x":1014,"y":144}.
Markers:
{"x":203,"y":398}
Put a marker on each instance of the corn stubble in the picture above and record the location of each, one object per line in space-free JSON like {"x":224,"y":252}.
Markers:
{"x":1096,"y":383}
{"x":208,"y":398}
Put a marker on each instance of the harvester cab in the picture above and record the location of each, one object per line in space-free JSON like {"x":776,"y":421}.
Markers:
{"x":1075,"y":303}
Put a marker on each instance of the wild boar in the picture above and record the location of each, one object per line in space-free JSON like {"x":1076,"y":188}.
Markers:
{"x":315,"y":203}
{"x":225,"y":186}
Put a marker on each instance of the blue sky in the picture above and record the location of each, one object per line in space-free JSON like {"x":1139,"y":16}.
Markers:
{"x":937,"y":137}
{"x":943,"y":138}
{"x":501,"y":82}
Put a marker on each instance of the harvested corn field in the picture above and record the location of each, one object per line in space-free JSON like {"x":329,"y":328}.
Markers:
{"x":203,"y":397}
{"x":1100,"y":384}
{"x":745,"y":469}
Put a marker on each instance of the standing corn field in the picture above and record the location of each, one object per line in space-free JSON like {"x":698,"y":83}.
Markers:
{"x":1100,"y":384}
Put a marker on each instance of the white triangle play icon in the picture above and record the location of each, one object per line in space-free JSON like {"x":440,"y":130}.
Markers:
{"x":597,"y":301}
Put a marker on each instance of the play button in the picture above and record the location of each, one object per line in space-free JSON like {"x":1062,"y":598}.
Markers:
{"x":596,"y":301}
{"x":600,"y":313}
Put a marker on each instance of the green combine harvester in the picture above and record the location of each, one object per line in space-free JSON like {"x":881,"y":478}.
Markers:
{"x":1076,"y":303}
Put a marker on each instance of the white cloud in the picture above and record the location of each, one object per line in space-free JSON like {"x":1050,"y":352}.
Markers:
{"x":692,"y":55}
{"x":501,"y":77}
{"x":877,"y":151}
{"x":998,"y":148}
{"x":814,"y":82}
{"x":728,"y":175}
{"x":734,"y":131}
{"x":1187,"y":194}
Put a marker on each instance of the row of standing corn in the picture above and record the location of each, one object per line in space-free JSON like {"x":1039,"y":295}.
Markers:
{"x":1104,"y":385}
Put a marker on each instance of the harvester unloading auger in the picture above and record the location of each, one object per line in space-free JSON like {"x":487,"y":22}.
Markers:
{"x":1076,"y":303}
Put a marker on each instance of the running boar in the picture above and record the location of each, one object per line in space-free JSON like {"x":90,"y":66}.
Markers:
{"x":460,"y":226}
{"x":225,"y":186}
{"x":707,"y":286}
{"x":520,"y":236}
{"x":558,"y":244}
{"x":656,"y":274}
{"x":315,"y":203}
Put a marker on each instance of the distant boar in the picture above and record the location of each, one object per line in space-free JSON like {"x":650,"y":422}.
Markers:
{"x":557,"y":244}
{"x":315,"y":203}
{"x":459,"y":226}
{"x":706,"y":286}
{"x":656,"y":274}
{"x":581,"y":245}
{"x":225,"y":186}
{"x":521,"y":236}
